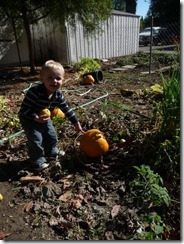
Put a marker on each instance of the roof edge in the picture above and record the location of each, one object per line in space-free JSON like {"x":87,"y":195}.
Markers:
{"x":122,"y":13}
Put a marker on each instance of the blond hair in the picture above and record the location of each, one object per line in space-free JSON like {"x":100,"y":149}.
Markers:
{"x":51,"y":64}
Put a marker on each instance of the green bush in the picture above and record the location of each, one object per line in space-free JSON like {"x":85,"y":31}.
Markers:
{"x":167,"y":115}
{"x":87,"y":65}
{"x":146,"y":186}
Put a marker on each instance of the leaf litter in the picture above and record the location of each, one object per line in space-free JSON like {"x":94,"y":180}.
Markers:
{"x":79,"y":198}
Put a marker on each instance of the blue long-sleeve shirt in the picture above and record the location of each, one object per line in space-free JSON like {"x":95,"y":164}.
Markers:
{"x":37,"y":99}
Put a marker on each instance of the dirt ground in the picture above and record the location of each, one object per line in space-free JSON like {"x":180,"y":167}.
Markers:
{"x":90,"y":189}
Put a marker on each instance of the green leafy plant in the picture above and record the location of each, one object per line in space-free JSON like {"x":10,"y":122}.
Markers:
{"x":170,"y":107}
{"x":142,"y":59}
{"x":57,"y":121}
{"x":122,"y":134}
{"x":121,"y":111}
{"x":9,"y":121}
{"x":157,"y":88}
{"x":167,"y":111}
{"x":87,"y":65}
{"x":167,"y":118}
{"x":151,"y":228}
{"x":97,"y":231}
{"x":146,"y":187}
{"x":3,"y":101}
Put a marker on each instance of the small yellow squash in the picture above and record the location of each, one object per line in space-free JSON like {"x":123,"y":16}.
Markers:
{"x":45,"y":111}
{"x":57,"y":112}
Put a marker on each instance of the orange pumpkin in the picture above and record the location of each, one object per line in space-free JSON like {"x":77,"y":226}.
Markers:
{"x":57,"y":112}
{"x":93,"y":143}
{"x":89,"y":80}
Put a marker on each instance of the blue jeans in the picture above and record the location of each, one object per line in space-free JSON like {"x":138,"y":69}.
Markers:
{"x":42,"y":140}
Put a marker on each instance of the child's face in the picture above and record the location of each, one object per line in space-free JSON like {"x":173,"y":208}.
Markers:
{"x":52,"y":79}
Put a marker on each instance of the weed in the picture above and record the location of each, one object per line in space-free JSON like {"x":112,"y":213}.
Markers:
{"x":142,"y":59}
{"x":122,"y":134}
{"x":146,"y":186}
{"x":97,"y":231}
{"x":152,"y":228}
{"x":170,"y":107}
{"x":57,"y":121}
{"x":3,"y":102}
{"x":9,"y":122}
{"x":87,"y":65}
{"x":167,"y":115}
{"x":81,"y":113}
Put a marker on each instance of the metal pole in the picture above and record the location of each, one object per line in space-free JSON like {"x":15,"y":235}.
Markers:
{"x":151,"y":42}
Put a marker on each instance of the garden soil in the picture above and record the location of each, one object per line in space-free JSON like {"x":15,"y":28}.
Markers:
{"x":77,"y":198}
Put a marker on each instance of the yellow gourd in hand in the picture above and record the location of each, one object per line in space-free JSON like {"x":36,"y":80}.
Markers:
{"x":45,"y":111}
{"x":1,"y":197}
{"x":57,"y":112}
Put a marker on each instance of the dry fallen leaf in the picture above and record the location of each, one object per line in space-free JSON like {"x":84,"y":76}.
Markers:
{"x":3,"y":235}
{"x":28,"y":179}
{"x":66,"y":183}
{"x":79,"y":196}
{"x":64,"y":223}
{"x":53,"y":222}
{"x":115,"y":211}
{"x":75,"y":204}
{"x":126,"y":92}
{"x":66,"y":196}
{"x":28,"y":206}
{"x":109,"y":235}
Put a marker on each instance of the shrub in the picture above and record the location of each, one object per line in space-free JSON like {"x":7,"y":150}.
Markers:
{"x":87,"y":65}
{"x":147,"y":187}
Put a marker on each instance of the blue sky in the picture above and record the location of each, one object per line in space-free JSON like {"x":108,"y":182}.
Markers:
{"x":142,"y":7}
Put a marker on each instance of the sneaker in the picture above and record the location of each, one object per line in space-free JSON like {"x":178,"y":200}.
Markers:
{"x":60,"y":154}
{"x":41,"y":167}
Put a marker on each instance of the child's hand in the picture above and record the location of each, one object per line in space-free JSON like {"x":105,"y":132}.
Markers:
{"x":42,"y":118}
{"x":78,"y":127}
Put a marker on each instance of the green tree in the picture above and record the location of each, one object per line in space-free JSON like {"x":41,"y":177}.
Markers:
{"x":128,"y":6}
{"x":131,"y":6}
{"x":141,"y":24}
{"x":165,"y":11}
{"x":90,"y":12}
{"x":119,"y":5}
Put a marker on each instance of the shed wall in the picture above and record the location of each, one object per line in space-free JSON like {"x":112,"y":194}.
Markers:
{"x":120,"y":37}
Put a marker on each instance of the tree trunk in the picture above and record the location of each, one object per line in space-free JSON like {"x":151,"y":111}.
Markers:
{"x":29,"y":39}
{"x":131,"y":6}
{"x":16,"y":40}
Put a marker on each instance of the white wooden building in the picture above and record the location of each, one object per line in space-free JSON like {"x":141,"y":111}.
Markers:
{"x":120,"y":37}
